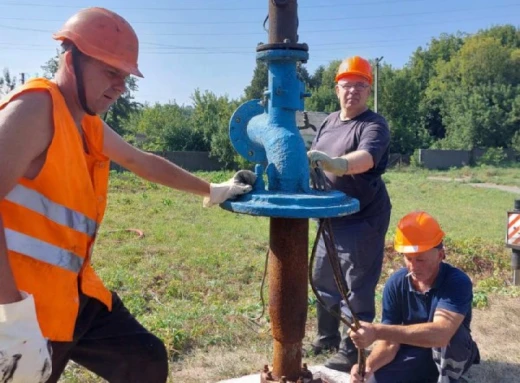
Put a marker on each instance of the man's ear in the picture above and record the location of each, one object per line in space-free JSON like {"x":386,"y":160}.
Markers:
{"x":68,"y":62}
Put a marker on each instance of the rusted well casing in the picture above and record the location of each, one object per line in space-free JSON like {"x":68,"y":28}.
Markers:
{"x":283,"y":21}
{"x":288,"y":268}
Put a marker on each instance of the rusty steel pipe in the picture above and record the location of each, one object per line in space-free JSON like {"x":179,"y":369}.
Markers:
{"x":288,"y":268}
{"x":283,"y":21}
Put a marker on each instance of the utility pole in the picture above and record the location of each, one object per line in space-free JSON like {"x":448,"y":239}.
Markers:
{"x":376,"y":88}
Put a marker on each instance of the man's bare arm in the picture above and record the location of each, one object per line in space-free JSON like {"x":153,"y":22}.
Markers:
{"x":432,"y":334}
{"x":382,"y":354}
{"x":151,"y":167}
{"x":359,"y":161}
{"x":26,"y":129}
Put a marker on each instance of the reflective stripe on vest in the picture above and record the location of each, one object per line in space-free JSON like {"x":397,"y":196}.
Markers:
{"x":42,"y":251}
{"x":37,"y":202}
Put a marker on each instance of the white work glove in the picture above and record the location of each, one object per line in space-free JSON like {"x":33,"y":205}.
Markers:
{"x":25,"y":355}
{"x":241,"y":183}
{"x":336,"y":165}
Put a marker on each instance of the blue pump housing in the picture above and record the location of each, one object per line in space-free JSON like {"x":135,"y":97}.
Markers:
{"x":266,"y":134}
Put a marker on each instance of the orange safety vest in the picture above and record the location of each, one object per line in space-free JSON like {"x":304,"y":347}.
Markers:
{"x":51,"y":221}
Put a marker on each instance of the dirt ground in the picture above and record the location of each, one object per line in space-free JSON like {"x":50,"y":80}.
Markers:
{"x":496,"y":330}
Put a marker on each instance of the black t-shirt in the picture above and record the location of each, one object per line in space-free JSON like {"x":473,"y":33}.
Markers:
{"x":369,"y":131}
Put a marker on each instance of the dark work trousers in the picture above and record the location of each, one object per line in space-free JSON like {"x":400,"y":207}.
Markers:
{"x":112,"y":345}
{"x":432,"y":365}
{"x":410,"y":365}
{"x":360,"y":245}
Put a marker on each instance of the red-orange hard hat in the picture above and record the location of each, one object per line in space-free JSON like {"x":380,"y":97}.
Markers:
{"x":105,"y":36}
{"x":355,"y":65}
{"x":417,"y":232}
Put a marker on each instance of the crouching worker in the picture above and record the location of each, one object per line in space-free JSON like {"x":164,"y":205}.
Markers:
{"x":424,"y":335}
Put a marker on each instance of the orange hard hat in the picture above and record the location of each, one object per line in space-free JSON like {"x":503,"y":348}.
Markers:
{"x":355,"y":65}
{"x":417,"y":232}
{"x":105,"y":36}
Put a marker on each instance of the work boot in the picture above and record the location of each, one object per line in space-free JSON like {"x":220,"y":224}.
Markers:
{"x":345,"y":358}
{"x":342,"y":361}
{"x":328,"y":337}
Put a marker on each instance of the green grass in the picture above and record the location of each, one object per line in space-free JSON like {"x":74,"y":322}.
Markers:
{"x":464,"y":212}
{"x":194,"y":278}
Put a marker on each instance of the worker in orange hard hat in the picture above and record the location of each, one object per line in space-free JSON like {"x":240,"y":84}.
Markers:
{"x":107,"y":38}
{"x":424,"y":335}
{"x":352,"y":146}
{"x":55,"y":153}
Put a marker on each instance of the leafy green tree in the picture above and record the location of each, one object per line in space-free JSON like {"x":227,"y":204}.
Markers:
{"x":259,"y":82}
{"x":303,"y":75}
{"x":399,"y":103}
{"x":515,"y":142}
{"x":51,"y":66}
{"x":118,"y":114}
{"x":482,"y":60}
{"x":508,"y":35}
{"x":481,"y":116}
{"x":477,"y":91}
{"x":211,"y":115}
{"x":423,"y":67}
{"x":323,"y":97}
{"x":423,"y":61}
{"x":165,"y":127}
{"x":316,"y":78}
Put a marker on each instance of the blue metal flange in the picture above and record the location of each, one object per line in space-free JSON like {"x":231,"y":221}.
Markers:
{"x":315,"y":204}
{"x":238,"y":133}
{"x":312,"y":204}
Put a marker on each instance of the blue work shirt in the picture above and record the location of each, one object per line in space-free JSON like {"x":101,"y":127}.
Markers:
{"x":451,"y":291}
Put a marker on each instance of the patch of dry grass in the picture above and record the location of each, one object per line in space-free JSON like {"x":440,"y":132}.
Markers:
{"x":496,"y":330}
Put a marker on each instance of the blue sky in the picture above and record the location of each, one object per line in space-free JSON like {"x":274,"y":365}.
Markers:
{"x":210,"y":44}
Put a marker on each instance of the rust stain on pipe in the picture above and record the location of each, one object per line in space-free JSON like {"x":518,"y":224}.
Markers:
{"x":283,"y":21}
{"x":288,"y":268}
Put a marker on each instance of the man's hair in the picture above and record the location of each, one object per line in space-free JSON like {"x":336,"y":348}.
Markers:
{"x":66,"y":45}
{"x":440,"y":246}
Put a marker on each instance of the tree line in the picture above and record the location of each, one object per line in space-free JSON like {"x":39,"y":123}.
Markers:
{"x":461,"y":91}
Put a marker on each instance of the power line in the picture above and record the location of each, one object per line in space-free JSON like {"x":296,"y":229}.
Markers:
{"x":162,"y":9}
{"x":231,"y":52}
{"x":250,"y":47}
{"x":342,"y":29}
{"x":369,"y":17}
{"x":25,"y":29}
{"x":252,"y":52}
{"x":172,"y":49}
